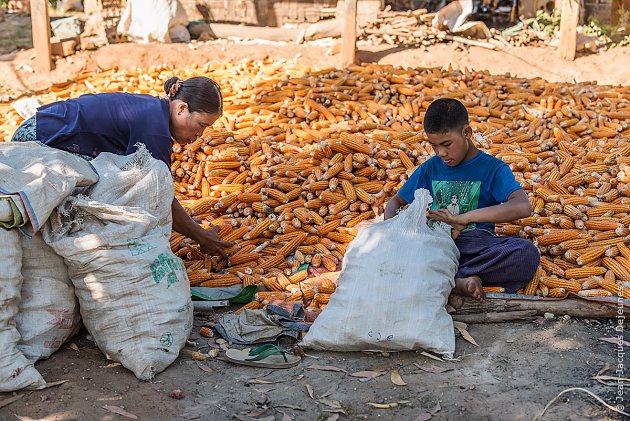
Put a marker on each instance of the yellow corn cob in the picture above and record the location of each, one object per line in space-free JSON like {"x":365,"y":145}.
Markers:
{"x":241,"y":258}
{"x":197,"y":277}
{"x":332,"y":171}
{"x":590,"y":255}
{"x":584,"y":272}
{"x":340,"y":237}
{"x":258,"y":230}
{"x":355,"y":144}
{"x":328,"y":227}
{"x":550,"y":267}
{"x":271,"y":295}
{"x":304,"y":295}
{"x":579,"y":243}
{"x":272,"y":284}
{"x":552,"y":282}
{"x":616,"y":289}
{"x":602,"y":225}
{"x":364,"y":196}
{"x":292,"y":244}
{"x":557,"y":237}
{"x":254,"y":305}
{"x":348,"y":190}
{"x":236,"y":234}
{"x":275,"y":261}
{"x":532,"y":286}
{"x":493,"y":289}
{"x":329,"y":263}
{"x":619,"y":268}
{"x":322,"y":298}
{"x":596,"y":292}
{"x":221,"y":282}
{"x":298,"y":276}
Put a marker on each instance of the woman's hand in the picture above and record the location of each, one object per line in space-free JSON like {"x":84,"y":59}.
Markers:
{"x":208,"y":240}
{"x":212,"y":244}
{"x":458,"y":222}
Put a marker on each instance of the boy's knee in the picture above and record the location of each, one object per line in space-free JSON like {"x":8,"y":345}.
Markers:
{"x":528,"y":254}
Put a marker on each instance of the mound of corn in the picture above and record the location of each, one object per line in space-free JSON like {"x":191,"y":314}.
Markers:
{"x":301,"y":158}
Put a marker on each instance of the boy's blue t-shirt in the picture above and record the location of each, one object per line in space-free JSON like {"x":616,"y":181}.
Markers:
{"x":109,"y":122}
{"x":479,"y":183}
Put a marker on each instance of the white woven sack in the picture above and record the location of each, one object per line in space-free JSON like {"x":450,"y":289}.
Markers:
{"x":42,"y":177}
{"x":49,"y":310}
{"x":16,"y":371}
{"x":395,"y":281}
{"x":133,"y":291}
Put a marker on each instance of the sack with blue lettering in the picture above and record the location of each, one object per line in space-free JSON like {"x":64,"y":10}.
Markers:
{"x":133,"y":292}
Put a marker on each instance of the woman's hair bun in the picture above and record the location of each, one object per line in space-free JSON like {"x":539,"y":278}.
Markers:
{"x":171,"y":86}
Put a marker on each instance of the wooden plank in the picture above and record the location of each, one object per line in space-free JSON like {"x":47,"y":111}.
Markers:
{"x":574,"y":307}
{"x":41,"y":35}
{"x":349,"y":34}
{"x":570,"y":15}
{"x":504,"y":316}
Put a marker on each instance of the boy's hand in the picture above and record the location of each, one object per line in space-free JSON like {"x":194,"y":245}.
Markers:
{"x":458,"y":222}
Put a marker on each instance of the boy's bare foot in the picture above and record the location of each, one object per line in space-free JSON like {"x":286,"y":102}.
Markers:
{"x":469,"y":287}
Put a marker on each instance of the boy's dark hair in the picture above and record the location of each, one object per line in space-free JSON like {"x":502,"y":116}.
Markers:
{"x":445,"y":115}
{"x":201,"y":93}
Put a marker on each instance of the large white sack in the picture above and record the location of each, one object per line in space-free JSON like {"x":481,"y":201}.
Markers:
{"x":395,"y":281}
{"x":133,"y":291}
{"x":49,"y":310}
{"x":16,"y":371}
{"x":154,"y":20}
{"x":42,"y":177}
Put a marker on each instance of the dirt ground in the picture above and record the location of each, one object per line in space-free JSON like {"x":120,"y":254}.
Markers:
{"x":513,"y":373}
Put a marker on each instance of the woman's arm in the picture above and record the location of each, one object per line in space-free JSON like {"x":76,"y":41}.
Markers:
{"x":393,"y":206}
{"x":208,"y":240}
{"x":516,"y":207}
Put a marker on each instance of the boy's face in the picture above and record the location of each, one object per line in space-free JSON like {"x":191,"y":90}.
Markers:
{"x":452,"y":147}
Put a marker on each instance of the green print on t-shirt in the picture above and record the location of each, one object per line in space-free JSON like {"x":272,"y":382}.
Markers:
{"x":456,"y":196}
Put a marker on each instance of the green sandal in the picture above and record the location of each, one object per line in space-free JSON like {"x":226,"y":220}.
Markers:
{"x":266,"y":356}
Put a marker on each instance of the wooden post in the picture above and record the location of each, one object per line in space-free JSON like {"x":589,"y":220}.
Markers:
{"x":570,"y":16}
{"x":41,"y":34}
{"x":349,"y":33}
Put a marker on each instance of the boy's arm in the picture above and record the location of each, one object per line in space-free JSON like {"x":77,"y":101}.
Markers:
{"x":516,"y":207}
{"x":392,"y":207}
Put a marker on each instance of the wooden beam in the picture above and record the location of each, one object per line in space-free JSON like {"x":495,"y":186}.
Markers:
{"x":349,"y":33}
{"x":574,"y":307}
{"x":41,"y":34}
{"x":570,"y":15}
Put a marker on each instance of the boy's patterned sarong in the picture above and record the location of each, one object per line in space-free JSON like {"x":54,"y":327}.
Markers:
{"x":509,"y":262}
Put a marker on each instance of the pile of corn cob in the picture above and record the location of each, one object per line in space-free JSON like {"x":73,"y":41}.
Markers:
{"x":301,"y":158}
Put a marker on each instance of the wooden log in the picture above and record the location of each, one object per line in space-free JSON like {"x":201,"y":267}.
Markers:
{"x":570,"y":15}
{"x":41,"y":35}
{"x":504,"y":316}
{"x":574,"y":307}
{"x":349,"y":34}
{"x":467,"y":41}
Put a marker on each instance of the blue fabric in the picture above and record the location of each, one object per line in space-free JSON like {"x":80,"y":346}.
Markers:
{"x":508,"y":262}
{"x":479,"y":183}
{"x":110,"y":122}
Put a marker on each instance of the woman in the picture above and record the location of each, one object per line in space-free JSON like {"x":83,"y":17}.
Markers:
{"x":116,"y":122}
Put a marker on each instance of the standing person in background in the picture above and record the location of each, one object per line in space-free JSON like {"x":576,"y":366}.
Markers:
{"x":117,"y":122}
{"x":471,"y":192}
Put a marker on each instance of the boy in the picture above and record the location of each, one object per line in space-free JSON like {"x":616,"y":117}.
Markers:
{"x":483,"y":191}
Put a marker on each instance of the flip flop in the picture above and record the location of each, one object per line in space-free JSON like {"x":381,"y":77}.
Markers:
{"x":266,"y":356}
